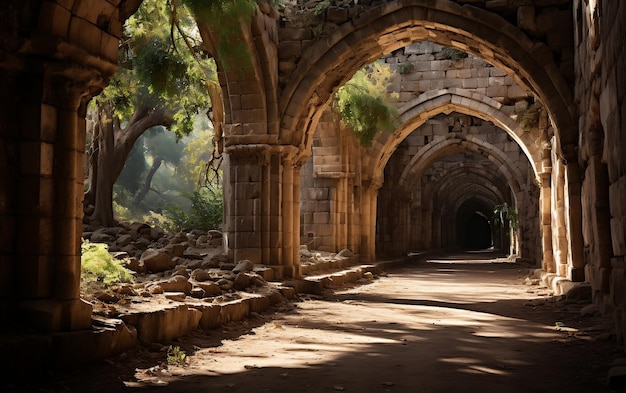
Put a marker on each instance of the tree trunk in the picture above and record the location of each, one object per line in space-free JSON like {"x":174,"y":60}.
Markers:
{"x":156,"y":164}
{"x":114,"y":143}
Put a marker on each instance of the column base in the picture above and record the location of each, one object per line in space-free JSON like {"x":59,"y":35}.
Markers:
{"x":576,"y":274}
{"x":292,"y":271}
{"x":57,"y":315}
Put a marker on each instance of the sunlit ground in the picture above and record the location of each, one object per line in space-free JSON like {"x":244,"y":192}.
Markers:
{"x":446,"y":325}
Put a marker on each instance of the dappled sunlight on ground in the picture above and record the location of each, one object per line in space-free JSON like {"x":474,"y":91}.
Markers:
{"x":460,"y":327}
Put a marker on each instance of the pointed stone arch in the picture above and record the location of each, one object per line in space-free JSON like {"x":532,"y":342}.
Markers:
{"x":330,"y":62}
{"x":417,"y":111}
{"x":455,"y":143}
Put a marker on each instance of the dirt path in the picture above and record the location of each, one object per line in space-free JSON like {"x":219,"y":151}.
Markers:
{"x":443,"y":326}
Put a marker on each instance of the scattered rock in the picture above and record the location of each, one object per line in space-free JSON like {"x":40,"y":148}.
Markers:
{"x":156,"y":260}
{"x":176,"y":284}
{"x":177,"y":296}
{"x":244,"y":266}
{"x":345,"y":253}
{"x":200,"y":275}
{"x":210,"y":288}
{"x":242,"y":281}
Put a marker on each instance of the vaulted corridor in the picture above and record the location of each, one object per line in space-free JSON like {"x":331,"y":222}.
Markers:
{"x":516,"y":105}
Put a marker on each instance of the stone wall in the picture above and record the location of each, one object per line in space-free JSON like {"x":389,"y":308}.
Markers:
{"x":601,"y":98}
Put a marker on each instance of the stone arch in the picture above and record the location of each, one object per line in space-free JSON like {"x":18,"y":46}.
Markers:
{"x":417,"y":111}
{"x":457,"y":199}
{"x":461,"y":176}
{"x":454,"y":143}
{"x":331,"y":62}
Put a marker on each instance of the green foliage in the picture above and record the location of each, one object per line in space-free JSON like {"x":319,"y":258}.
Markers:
{"x":196,"y":154}
{"x":504,"y":213}
{"x":158,"y":70}
{"x":175,"y":356}
{"x":450,"y":53}
{"x":530,"y":117}
{"x":362,"y":103}
{"x":97,"y":265}
{"x":206,"y":212}
{"x":227,"y":16}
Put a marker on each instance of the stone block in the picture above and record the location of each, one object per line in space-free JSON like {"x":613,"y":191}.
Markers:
{"x":289,"y":49}
{"x":617,"y":196}
{"x":470,"y":83}
{"x":337,"y":14}
{"x":618,"y":235}
{"x":54,"y":19}
{"x":497,"y":91}
{"x":434,"y":75}
{"x":516,"y":92}
{"x":526,"y":18}
{"x":465,"y":73}
{"x":496,"y":72}
{"x":321,"y":217}
{"x":85,"y":35}
{"x":440,"y":129}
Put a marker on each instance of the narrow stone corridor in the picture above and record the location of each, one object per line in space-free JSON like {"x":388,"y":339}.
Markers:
{"x":469,"y":322}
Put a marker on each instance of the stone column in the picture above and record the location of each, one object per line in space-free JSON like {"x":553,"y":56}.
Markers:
{"x":368,"y":220}
{"x":575,"y":260}
{"x":42,"y":195}
{"x":559,"y":228}
{"x":547,"y":263}
{"x":260,"y":218}
{"x":296,"y":270}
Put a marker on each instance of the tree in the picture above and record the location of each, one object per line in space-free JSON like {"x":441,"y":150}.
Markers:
{"x":163,"y":148}
{"x":160,"y":82}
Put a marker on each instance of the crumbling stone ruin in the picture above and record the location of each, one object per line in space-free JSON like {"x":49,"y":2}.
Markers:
{"x":498,"y":102}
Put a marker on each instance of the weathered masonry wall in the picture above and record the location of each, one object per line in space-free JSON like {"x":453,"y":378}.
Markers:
{"x":601,"y":97}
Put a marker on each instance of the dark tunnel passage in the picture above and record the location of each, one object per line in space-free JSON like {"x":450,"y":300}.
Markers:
{"x":474,"y":232}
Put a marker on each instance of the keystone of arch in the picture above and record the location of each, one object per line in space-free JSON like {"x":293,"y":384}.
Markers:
{"x":330,"y":62}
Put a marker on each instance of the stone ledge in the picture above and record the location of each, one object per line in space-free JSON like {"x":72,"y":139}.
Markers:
{"x":561,"y":286}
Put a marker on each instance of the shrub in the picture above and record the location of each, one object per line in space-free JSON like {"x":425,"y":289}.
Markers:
{"x":98,"y":265}
{"x":207,"y":209}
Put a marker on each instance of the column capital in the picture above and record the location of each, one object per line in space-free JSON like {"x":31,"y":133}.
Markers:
{"x":66,"y":85}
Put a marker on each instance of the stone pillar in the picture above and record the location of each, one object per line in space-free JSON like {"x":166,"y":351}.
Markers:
{"x":259,"y":220}
{"x":368,"y":220}
{"x":559,"y":228}
{"x":575,"y":254}
{"x":547,"y":263}
{"x":290,"y":216}
{"x":42,"y":193}
{"x":295,"y":258}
